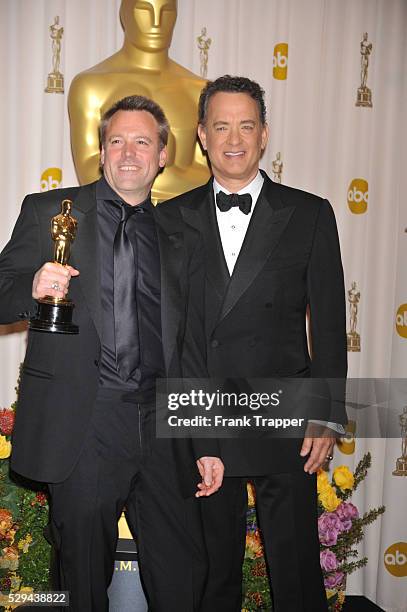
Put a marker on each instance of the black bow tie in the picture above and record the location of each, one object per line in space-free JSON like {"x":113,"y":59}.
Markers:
{"x":225,"y":202}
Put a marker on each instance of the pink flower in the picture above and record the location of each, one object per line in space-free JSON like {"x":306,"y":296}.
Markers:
{"x":333,"y":580}
{"x":328,"y":560}
{"x":329,"y":527}
{"x":347,"y":512}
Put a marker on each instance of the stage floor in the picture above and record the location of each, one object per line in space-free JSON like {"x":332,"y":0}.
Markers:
{"x":357,"y":603}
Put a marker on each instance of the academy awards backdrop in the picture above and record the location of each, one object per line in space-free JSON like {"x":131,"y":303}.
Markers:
{"x":335,"y":76}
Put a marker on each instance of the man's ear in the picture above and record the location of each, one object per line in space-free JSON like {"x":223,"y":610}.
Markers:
{"x":202,"y":135}
{"x":264,"y":136}
{"x":163,"y":157}
{"x":102,"y":156}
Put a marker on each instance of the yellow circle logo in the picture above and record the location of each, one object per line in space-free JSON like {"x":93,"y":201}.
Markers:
{"x":346,"y":444}
{"x":358,"y":196}
{"x":401,"y":321}
{"x":51,"y":178}
{"x":395,"y":559}
{"x":280,"y":61}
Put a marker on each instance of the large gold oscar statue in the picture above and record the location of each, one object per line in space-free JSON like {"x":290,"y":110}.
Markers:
{"x":142,"y":66}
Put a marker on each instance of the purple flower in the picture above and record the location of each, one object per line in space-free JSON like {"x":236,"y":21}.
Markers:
{"x":346,"y":513}
{"x":333,"y":580}
{"x":329,"y":527}
{"x":328,"y":560}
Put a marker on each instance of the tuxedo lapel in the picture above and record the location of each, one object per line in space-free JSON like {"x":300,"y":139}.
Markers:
{"x":265,"y":230}
{"x":201,"y":214}
{"x":217,"y":273}
{"x":85,"y":251}
{"x":171,"y":246}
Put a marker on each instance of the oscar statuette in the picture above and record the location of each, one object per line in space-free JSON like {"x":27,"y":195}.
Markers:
{"x":401,"y":463}
{"x":55,"y":81}
{"x":352,"y":336}
{"x":364,"y":94}
{"x":55,"y":314}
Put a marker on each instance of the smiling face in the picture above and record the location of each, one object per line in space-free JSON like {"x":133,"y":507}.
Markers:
{"x":149,"y":24}
{"x":131,"y":155}
{"x":234,"y":138}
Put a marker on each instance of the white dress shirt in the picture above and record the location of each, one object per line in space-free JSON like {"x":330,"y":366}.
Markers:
{"x":233,"y":223}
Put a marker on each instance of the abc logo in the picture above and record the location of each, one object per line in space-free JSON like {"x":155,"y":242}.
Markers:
{"x":280,"y":60}
{"x":51,"y":178}
{"x":395,"y":559}
{"x":347,"y":444}
{"x":401,"y":321}
{"x":358,"y":194}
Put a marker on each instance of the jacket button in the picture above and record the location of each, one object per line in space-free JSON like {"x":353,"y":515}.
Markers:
{"x":253,"y":342}
{"x":214,"y":343}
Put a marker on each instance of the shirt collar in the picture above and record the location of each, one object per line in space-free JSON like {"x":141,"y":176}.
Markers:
{"x":254,"y":187}
{"x":105,"y":192}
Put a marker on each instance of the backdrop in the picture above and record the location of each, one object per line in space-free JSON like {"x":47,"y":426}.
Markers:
{"x":306,"y":55}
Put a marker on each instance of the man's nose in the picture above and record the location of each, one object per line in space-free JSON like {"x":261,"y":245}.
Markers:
{"x":128,"y":150}
{"x":234,"y":136}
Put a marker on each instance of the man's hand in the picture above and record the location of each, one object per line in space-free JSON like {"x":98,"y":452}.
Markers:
{"x":211,"y":470}
{"x":319,"y":442}
{"x":52,"y":279}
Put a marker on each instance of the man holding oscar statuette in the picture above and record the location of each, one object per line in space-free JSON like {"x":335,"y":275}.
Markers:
{"x":272,"y":253}
{"x":85,"y":422}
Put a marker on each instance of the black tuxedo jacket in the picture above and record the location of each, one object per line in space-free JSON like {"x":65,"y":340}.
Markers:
{"x":59,"y":377}
{"x":256,"y":319}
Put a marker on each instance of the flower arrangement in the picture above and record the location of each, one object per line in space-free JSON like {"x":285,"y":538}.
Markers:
{"x":256,"y":590}
{"x":340,"y":528}
{"x":24,"y":552}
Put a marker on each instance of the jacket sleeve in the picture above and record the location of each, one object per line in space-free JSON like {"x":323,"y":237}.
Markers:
{"x":19,"y":261}
{"x":326,"y":299}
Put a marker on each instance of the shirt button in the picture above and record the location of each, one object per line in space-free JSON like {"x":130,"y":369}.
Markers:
{"x":233,"y":226}
{"x":233,"y":254}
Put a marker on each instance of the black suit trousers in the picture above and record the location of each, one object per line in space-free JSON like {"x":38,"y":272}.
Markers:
{"x":287,"y":515}
{"x":123,"y":465}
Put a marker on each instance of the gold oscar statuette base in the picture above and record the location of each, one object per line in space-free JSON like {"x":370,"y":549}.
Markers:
{"x":54,"y":315}
{"x":55,"y":83}
{"x":401,"y":467}
{"x":364,"y":97}
{"x":353,"y":342}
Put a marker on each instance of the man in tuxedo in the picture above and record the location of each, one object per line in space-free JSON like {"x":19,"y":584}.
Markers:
{"x":272,"y":253}
{"x":85,"y":418}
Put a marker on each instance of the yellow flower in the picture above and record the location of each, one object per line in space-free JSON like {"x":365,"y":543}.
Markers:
{"x":24,"y":543}
{"x":322,"y":480}
{"x":251,"y":495}
{"x":5,"y":448}
{"x":343,"y":477}
{"x":253,"y":545}
{"x":329,"y":499}
{"x":15,"y":582}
